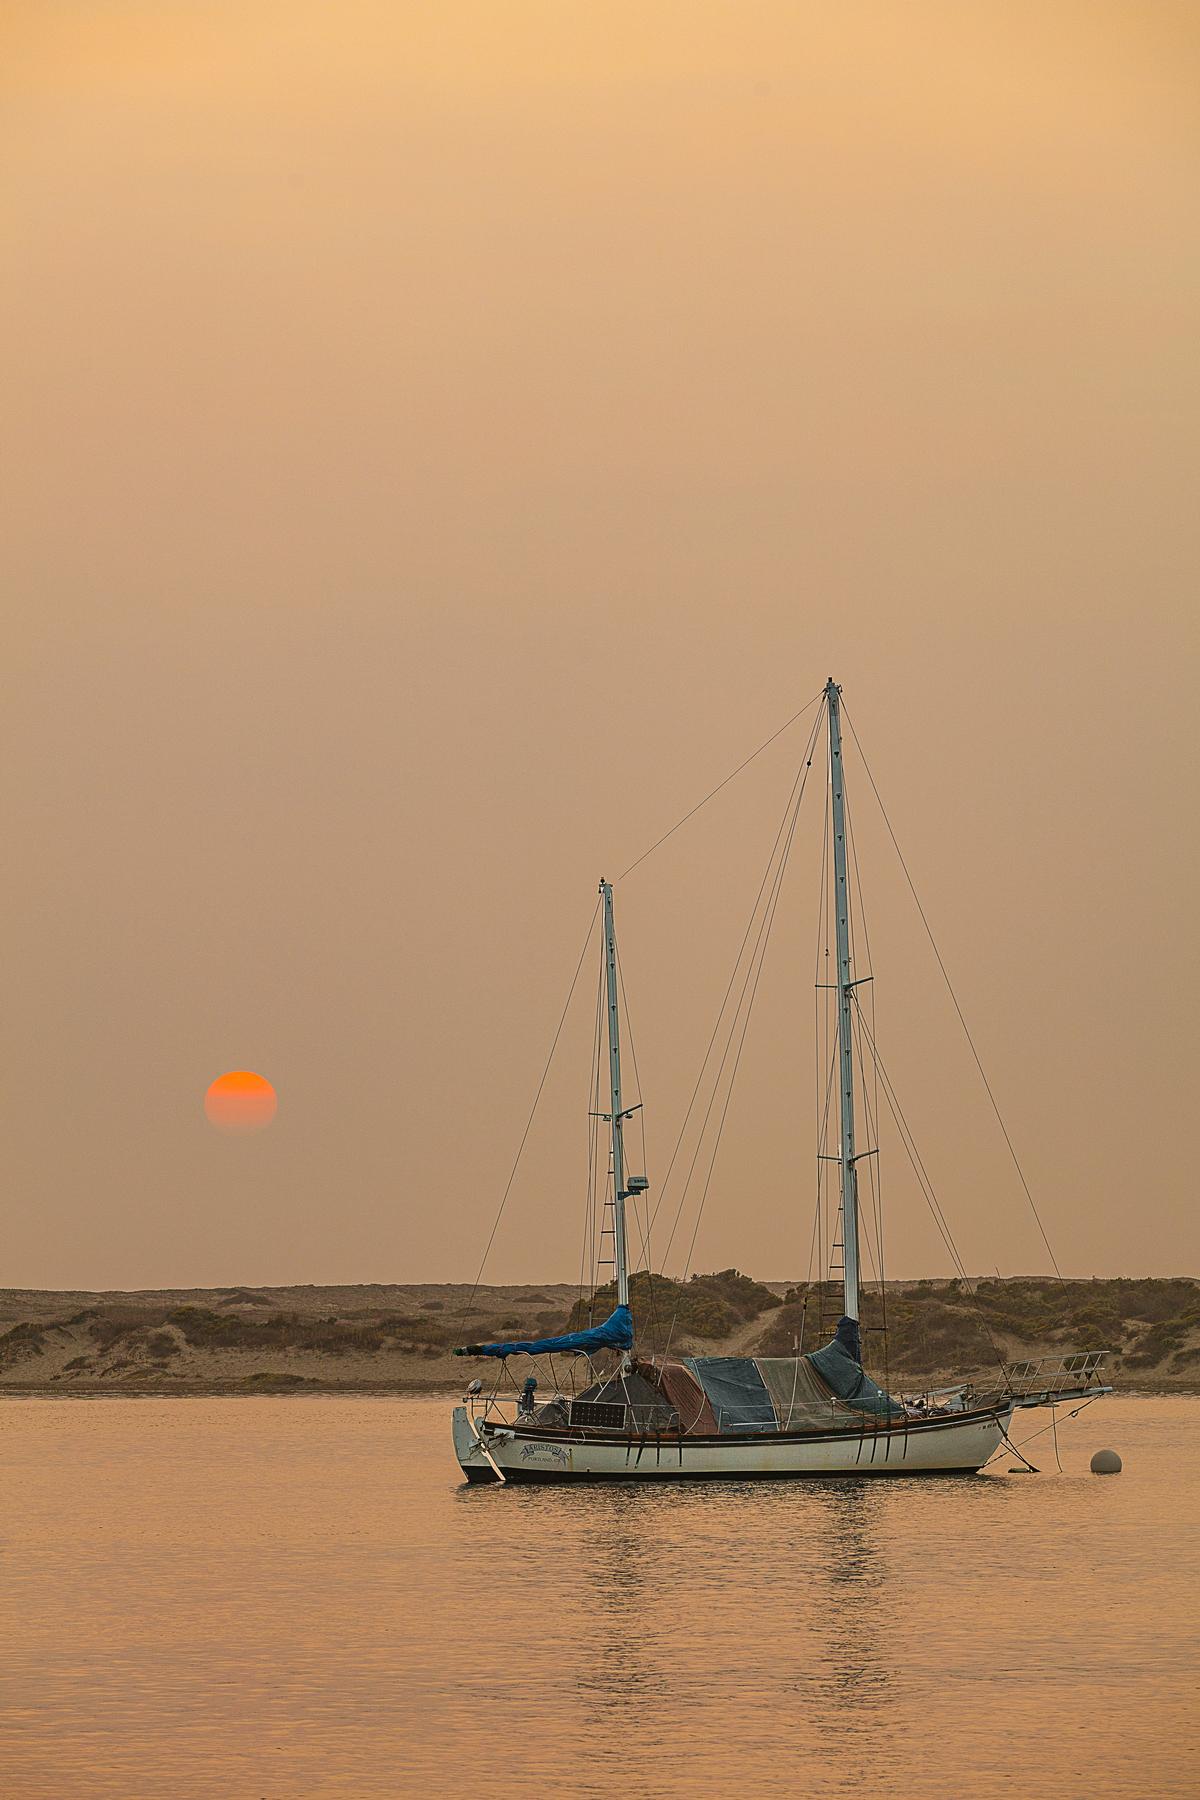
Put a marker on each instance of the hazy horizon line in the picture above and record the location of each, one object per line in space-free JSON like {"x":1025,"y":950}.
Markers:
{"x":225,"y":1287}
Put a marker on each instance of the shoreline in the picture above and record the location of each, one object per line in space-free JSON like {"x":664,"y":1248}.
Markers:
{"x":314,"y":1388}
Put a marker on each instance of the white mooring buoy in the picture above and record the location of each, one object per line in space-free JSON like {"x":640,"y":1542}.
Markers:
{"x":1106,"y":1462}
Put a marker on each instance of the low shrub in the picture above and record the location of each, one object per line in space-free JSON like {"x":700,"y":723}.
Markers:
{"x":269,"y":1378}
{"x":1155,"y":1345}
{"x":281,"y":1331}
{"x":110,"y":1325}
{"x":706,"y":1307}
{"x":419,"y":1330}
{"x":21,"y":1341}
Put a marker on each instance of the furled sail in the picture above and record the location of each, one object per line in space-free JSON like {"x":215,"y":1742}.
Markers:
{"x":616,"y":1333}
{"x":840,"y":1364}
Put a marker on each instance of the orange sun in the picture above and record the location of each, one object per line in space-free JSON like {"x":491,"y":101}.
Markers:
{"x":240,"y":1102}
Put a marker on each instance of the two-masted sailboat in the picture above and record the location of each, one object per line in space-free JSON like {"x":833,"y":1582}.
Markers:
{"x":648,"y":1416}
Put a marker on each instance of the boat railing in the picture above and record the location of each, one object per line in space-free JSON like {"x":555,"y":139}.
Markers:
{"x":929,"y":1401}
{"x":502,"y":1409}
{"x":1046,"y":1374}
{"x":564,"y":1409}
{"x":1039,"y":1381}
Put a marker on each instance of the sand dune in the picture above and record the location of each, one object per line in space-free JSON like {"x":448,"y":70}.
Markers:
{"x":397,"y":1337}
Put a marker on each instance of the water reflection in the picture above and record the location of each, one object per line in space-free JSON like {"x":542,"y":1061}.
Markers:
{"x":854,"y":1662}
{"x":294,"y":1598}
{"x":618,"y":1581}
{"x":643,"y":1564}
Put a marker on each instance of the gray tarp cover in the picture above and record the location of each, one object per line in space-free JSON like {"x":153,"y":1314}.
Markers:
{"x":736,"y":1390}
{"x":802,"y":1400}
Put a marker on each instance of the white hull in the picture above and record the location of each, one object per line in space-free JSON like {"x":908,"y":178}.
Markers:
{"x":944,"y":1445}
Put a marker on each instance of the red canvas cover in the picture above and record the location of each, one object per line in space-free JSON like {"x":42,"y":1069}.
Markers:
{"x":681,"y":1390}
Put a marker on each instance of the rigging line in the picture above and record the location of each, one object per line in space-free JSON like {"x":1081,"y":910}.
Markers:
{"x":861,"y":911}
{"x":816,"y":1250}
{"x":754,"y":969}
{"x":601,"y":1200}
{"x":872,"y":1136}
{"x":958,"y":1009}
{"x":813,"y":1243}
{"x":763,"y":940}
{"x":1042,"y":1430}
{"x":586,"y":1259}
{"x":822,"y":916}
{"x":911,"y":1146}
{"x":927,"y":1189}
{"x":533,"y":1109}
{"x":821,"y":998}
{"x":856,"y":914}
{"x":928,"y":1192}
{"x":875,"y":1169}
{"x":821,"y":992}
{"x":637,"y":1074}
{"x":641,"y":1219}
{"x":1005,"y":1439}
{"x":825,"y":1051}
{"x":721,"y":784}
{"x":635,"y":1213}
{"x":871,"y":1120}
{"x":769,"y":874}
{"x":823,"y":1129}
{"x":874,"y":1182}
{"x":588,"y":1248}
{"x":825,"y":1229}
{"x":662,"y":1194}
{"x":604,"y":1202}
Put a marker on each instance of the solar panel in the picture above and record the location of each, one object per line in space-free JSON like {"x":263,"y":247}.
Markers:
{"x":600,"y":1413}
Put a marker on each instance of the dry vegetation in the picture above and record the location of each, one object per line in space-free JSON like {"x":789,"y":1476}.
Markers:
{"x":230,"y":1339}
{"x":396,"y":1338}
{"x":1151,"y":1327}
{"x":707,"y":1310}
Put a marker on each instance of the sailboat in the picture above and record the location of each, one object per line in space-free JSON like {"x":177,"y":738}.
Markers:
{"x":644,"y":1416}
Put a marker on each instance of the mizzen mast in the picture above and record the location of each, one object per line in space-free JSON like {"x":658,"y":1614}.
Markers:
{"x":620,"y":1252}
{"x":841,"y":911}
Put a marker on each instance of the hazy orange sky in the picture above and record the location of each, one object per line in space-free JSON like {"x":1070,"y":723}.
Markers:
{"x":440,"y":442}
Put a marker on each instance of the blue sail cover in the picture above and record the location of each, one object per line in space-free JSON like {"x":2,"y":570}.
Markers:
{"x":616,"y":1333}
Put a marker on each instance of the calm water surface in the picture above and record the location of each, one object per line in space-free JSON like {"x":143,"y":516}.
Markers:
{"x":289,"y":1598}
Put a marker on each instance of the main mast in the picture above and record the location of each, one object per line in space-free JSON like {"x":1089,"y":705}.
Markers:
{"x":620,"y":1255}
{"x":841,"y":913}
